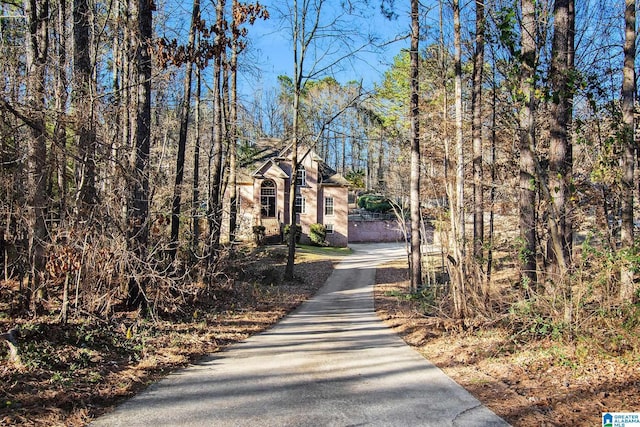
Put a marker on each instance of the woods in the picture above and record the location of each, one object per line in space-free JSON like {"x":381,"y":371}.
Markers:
{"x":94,"y":174}
{"x":507,"y":130}
{"x":110,"y":148}
{"x":92,"y":159}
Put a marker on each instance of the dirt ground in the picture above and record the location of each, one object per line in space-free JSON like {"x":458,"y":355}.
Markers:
{"x":69,"y":374}
{"x":542,"y":383}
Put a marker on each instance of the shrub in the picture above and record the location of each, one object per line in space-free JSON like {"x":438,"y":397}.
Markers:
{"x":258,"y":234}
{"x":318,"y":235}
{"x":374,"y":203}
{"x":298,"y":232}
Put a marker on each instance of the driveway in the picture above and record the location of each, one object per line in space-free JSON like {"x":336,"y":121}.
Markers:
{"x":330,"y":363}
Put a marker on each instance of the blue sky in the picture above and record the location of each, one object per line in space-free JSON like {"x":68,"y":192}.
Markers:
{"x":271,"y":51}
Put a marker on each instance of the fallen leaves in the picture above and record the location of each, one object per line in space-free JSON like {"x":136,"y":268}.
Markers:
{"x":77,"y":371}
{"x":529,"y":384}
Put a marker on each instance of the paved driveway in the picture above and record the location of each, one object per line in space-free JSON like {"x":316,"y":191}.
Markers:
{"x":330,"y":363}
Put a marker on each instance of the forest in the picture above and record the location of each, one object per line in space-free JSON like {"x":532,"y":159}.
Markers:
{"x":508,"y":128}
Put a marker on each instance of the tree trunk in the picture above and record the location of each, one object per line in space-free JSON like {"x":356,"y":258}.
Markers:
{"x":557,"y":252}
{"x":568,"y":237}
{"x":37,"y":13}
{"x":61,"y":96}
{"x":528,"y":182}
{"x":492,"y":192}
{"x":139,"y":201}
{"x":117,"y":68}
{"x":443,"y":63}
{"x":233,"y":134}
{"x":416,"y":259}
{"x":627,"y":286}
{"x":214,"y":214}
{"x":291,"y":254}
{"x":298,"y":60}
{"x":458,"y":263}
{"x":195,"y":207}
{"x":182,"y":134}
{"x":380,"y":173}
{"x":476,"y":102}
{"x":82,"y":100}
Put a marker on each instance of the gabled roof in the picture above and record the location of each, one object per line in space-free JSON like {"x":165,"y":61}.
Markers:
{"x":328,"y":176}
{"x":264,"y":152}
{"x":269,"y":153}
{"x":270,"y":164}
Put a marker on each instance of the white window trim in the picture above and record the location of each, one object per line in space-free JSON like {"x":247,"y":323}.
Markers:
{"x":302,"y":205}
{"x":326,"y":205}
{"x":301,"y":177}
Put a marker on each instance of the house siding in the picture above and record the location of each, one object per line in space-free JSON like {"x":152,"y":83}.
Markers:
{"x":310,"y":193}
{"x":313,"y":192}
{"x":245,"y":221}
{"x":339,"y":219}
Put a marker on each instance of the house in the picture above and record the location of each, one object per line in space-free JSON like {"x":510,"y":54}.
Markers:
{"x":264,"y":187}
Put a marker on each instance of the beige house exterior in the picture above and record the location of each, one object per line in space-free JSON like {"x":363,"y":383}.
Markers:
{"x":264,"y":188}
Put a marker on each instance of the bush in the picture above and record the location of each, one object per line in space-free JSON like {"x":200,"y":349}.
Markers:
{"x":258,"y":234}
{"x":298,"y":233}
{"x":318,"y":235}
{"x":374,"y":203}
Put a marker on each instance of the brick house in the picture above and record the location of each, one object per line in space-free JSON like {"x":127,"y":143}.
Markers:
{"x":263,"y":194}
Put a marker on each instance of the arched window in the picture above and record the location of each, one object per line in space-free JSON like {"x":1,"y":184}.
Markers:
{"x":268,"y":199}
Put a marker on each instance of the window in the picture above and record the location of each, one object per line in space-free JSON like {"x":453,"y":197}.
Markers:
{"x":328,"y":206}
{"x":301,"y":177}
{"x":268,"y":199}
{"x":300,"y":205}
{"x":329,"y":228}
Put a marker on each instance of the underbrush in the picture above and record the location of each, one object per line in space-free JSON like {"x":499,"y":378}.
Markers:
{"x":522,"y":359}
{"x":586,"y":319}
{"x":67,"y":373}
{"x":611,"y":332}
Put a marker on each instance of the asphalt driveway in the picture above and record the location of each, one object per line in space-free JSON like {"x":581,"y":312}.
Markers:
{"x":330,"y":363}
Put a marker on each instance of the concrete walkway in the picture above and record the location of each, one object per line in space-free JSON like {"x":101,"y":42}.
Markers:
{"x":330,"y":363}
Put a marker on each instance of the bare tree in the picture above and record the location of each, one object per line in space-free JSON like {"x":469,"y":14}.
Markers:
{"x":195,"y":187}
{"x":416,"y":217}
{"x":138,"y":209}
{"x":185,"y":109}
{"x":476,"y":130}
{"x":83,"y":105}
{"x":233,"y":119}
{"x":37,"y":13}
{"x":301,"y":41}
{"x":316,"y":29}
{"x":59,"y":149}
{"x":558,"y":251}
{"x":528,"y":184}
{"x":458,"y":260}
{"x":214,"y":213}
{"x":241,"y":13}
{"x":627,"y":287}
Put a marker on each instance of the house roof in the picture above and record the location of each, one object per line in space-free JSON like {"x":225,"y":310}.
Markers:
{"x":267,"y":156}
{"x":270,"y":164}
{"x":328,"y":176}
{"x":263,"y":154}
